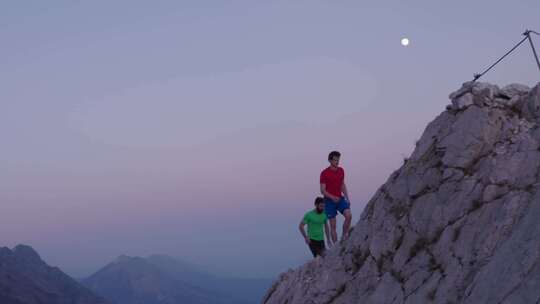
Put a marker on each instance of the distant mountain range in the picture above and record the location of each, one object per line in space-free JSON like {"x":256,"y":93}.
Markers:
{"x":158,"y":279}
{"x":248,"y":290}
{"x":161,"y":279}
{"x":26,"y":279}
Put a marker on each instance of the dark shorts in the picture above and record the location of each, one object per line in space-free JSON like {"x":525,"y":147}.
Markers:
{"x":331,"y":208}
{"x":316,"y":247}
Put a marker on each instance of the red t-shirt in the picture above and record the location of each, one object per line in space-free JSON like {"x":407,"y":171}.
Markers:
{"x":333,"y":179}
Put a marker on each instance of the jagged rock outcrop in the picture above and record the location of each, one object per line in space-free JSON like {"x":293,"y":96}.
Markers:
{"x":459,"y":222}
{"x":26,"y":279}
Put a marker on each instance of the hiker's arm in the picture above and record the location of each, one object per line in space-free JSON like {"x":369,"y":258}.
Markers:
{"x":302,"y":231}
{"x":326,"y":194}
{"x":345,"y":192}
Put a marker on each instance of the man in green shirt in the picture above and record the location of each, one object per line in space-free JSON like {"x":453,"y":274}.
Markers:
{"x":316,"y":220}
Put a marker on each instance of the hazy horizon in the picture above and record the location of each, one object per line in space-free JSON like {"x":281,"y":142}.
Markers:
{"x":199,"y":129}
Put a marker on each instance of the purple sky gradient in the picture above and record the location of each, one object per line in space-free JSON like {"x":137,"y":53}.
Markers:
{"x":199,"y":129}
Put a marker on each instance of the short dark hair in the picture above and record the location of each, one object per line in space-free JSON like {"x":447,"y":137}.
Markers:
{"x":318,"y":200}
{"x":334,"y":154}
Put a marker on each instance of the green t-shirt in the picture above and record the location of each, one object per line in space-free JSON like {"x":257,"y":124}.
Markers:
{"x":315,"y":222}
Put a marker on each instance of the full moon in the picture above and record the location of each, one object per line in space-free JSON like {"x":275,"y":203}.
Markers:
{"x":404,"y":41}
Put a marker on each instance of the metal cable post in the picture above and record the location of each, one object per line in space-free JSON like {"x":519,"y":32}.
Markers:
{"x":528,"y":35}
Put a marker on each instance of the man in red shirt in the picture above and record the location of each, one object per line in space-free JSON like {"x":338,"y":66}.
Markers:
{"x":336,"y":197}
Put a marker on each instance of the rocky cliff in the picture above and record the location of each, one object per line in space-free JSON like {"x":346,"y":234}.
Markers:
{"x":459,"y":222}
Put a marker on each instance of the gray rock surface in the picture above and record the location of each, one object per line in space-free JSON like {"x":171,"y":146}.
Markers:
{"x":459,"y":222}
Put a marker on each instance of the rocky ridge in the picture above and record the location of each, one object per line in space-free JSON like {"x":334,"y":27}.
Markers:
{"x":458,"y":222}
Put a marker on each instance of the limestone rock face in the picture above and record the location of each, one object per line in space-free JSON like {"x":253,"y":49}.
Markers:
{"x":459,"y":222}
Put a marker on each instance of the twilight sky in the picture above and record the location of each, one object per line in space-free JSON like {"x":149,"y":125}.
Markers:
{"x":198,"y":129}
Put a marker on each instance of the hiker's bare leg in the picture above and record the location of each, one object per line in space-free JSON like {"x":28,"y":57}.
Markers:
{"x":346,"y":224}
{"x":333,"y":231}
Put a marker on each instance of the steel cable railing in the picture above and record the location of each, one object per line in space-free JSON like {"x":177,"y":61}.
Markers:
{"x":527,"y":35}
